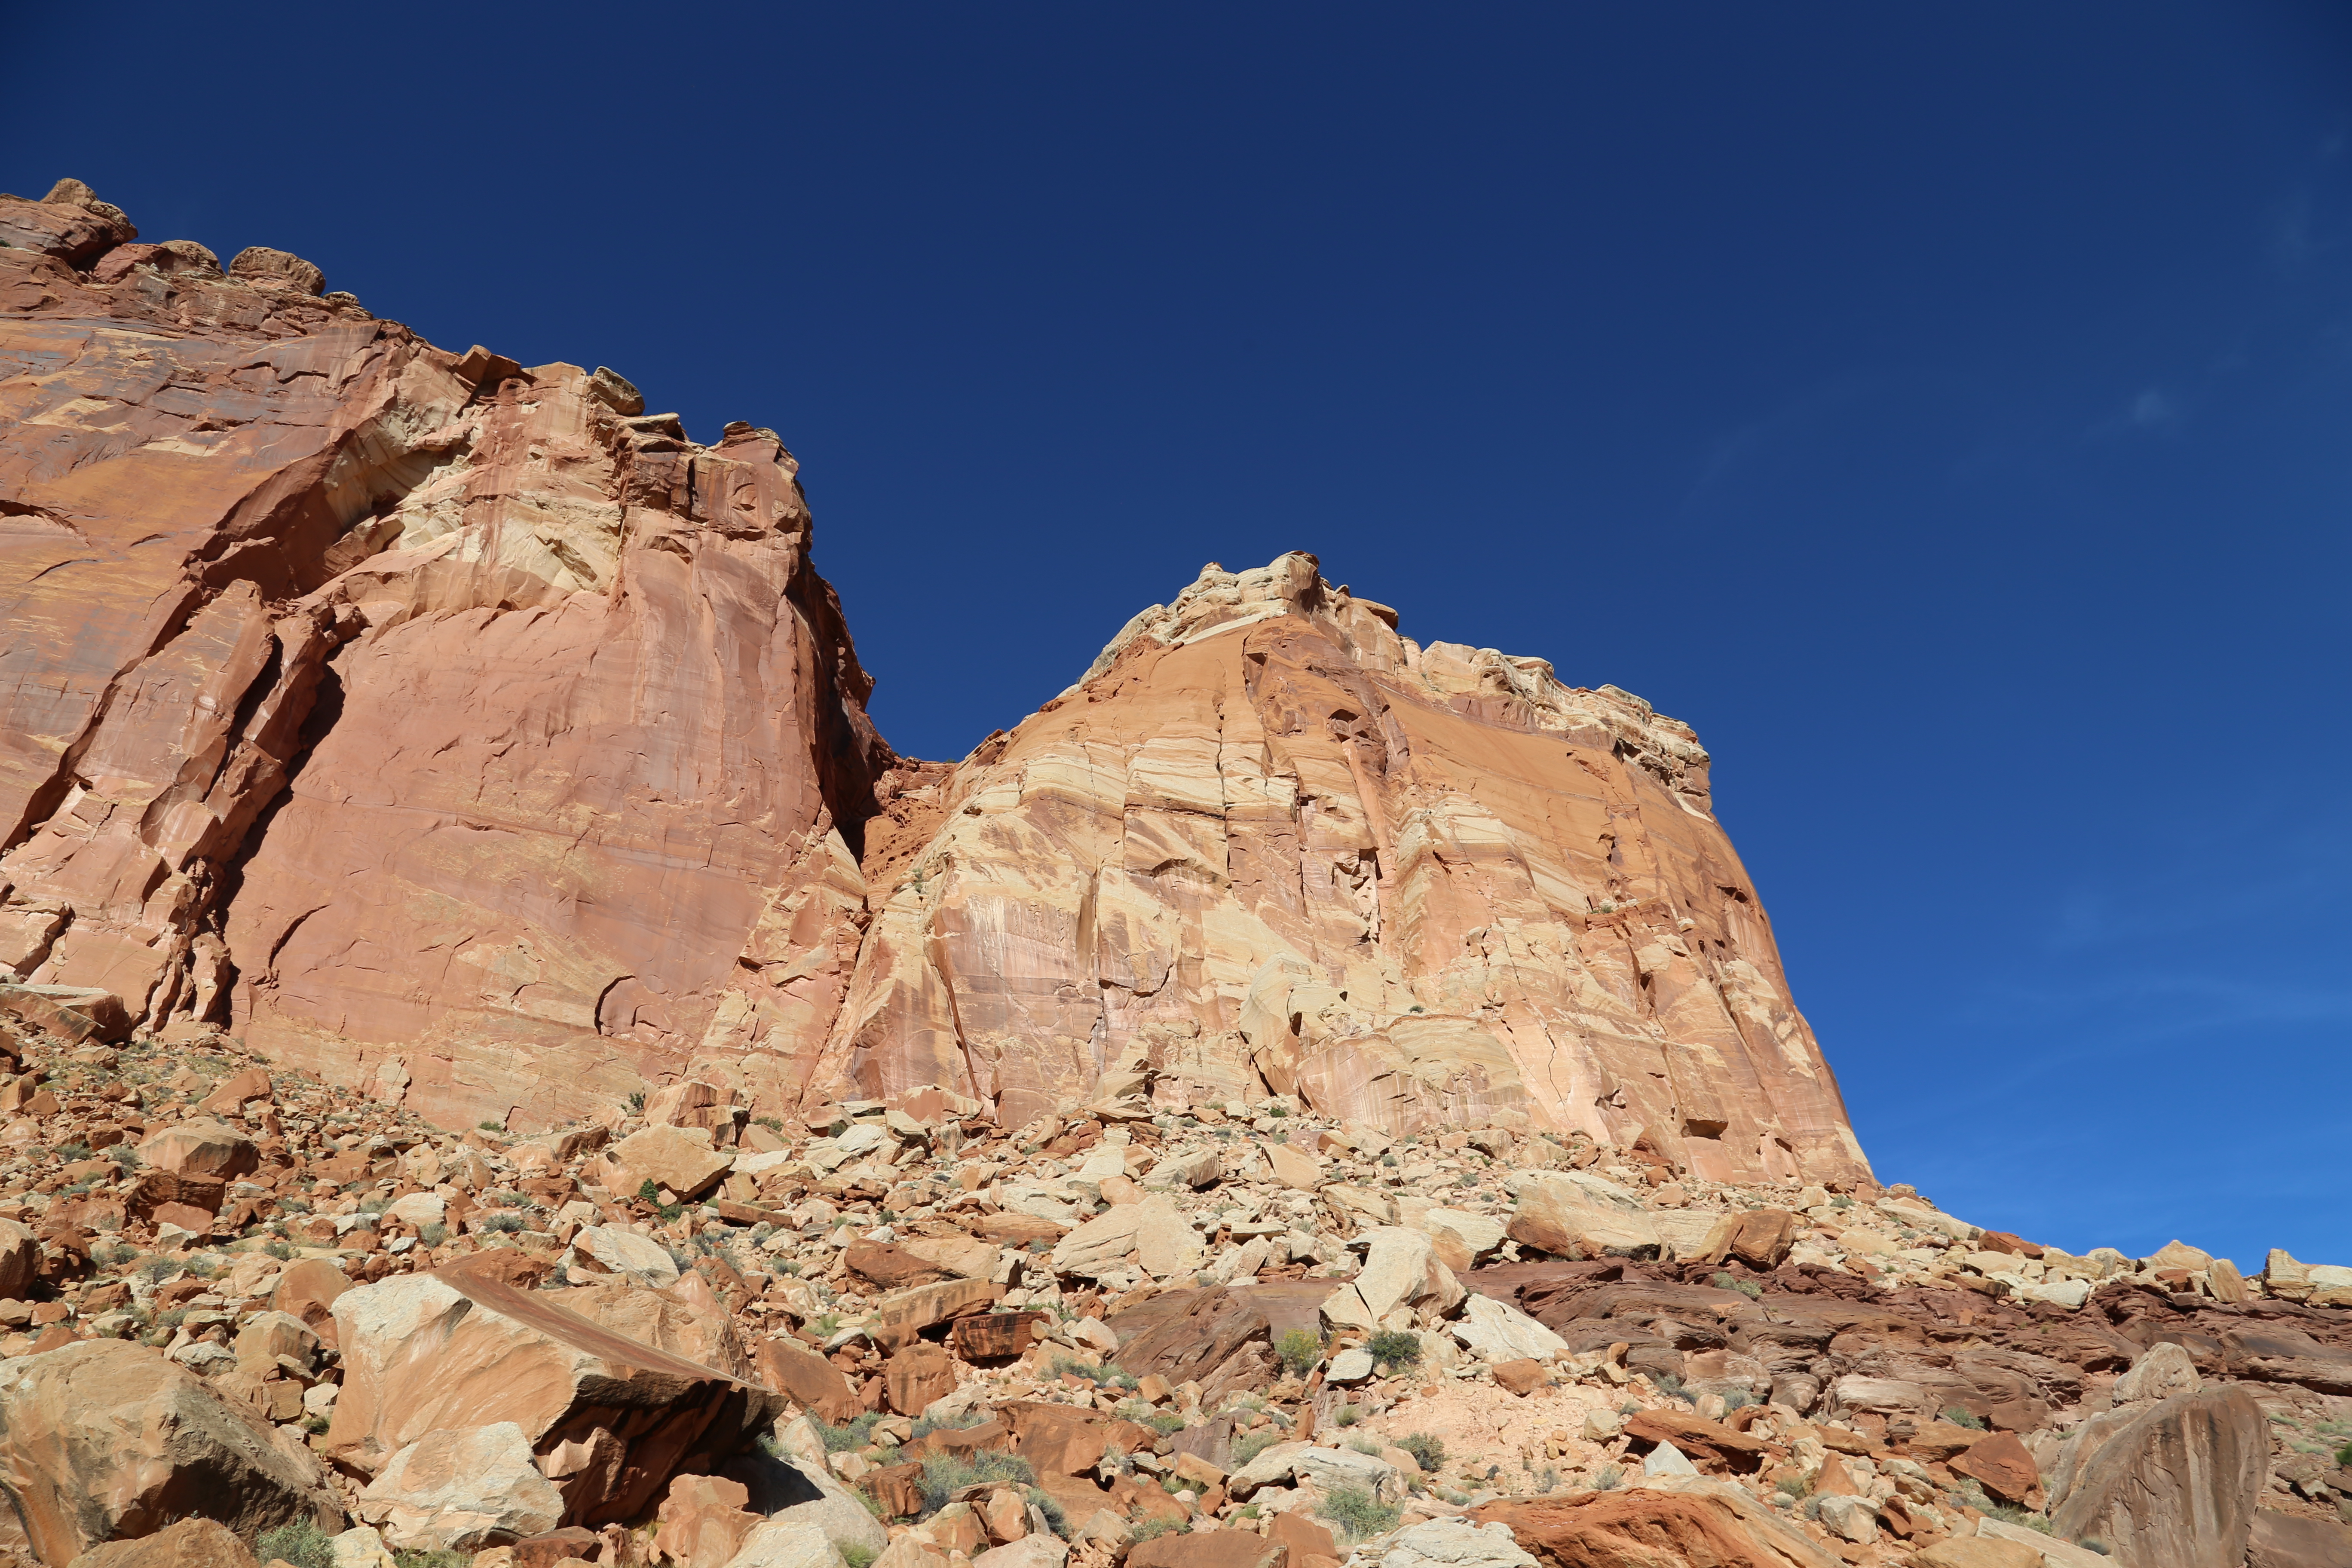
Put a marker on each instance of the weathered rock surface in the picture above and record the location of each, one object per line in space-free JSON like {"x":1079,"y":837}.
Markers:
{"x":105,"y":1439}
{"x":461,"y":1491}
{"x":1641,"y":1527}
{"x":485,"y":652}
{"x":2171,"y":1484}
{"x":1267,"y":843}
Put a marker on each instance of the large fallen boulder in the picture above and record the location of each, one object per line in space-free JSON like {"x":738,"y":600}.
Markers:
{"x":615,"y":1388}
{"x":1572,"y":1214}
{"x":105,"y":1439}
{"x":461,"y":1491}
{"x":190,"y":1544}
{"x":1641,"y":1527}
{"x":2171,"y":1484}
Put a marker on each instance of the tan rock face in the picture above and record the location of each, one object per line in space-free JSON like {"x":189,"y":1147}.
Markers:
{"x":1269,"y":843}
{"x":558,"y":733}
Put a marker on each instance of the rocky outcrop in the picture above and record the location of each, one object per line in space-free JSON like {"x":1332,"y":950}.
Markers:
{"x":2168,"y":1484}
{"x":451,"y":726}
{"x":1269,"y":845}
{"x":104,"y":1439}
{"x":461,"y":730}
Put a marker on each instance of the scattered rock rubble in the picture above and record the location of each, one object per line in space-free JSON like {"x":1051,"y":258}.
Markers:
{"x":245,"y":1305}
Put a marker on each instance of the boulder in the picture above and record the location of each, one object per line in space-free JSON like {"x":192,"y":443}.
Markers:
{"x":1294,"y":1167}
{"x":806,"y":1378}
{"x":1451,"y":1543}
{"x":1034,"y":1550}
{"x":898,"y":1318}
{"x":916,"y":1374}
{"x":79,"y":1013}
{"x":1496,"y":1332}
{"x":1165,"y":1242}
{"x":2002,"y":1465}
{"x":2157,"y":1373}
{"x":455,"y":1490}
{"x":613,"y":1386}
{"x":1563,"y":1215}
{"x":780,"y":1544}
{"x":2171,"y":1484}
{"x":2288,"y":1540}
{"x":624,"y":1254}
{"x":1717,"y":1444}
{"x":1102,"y":1244}
{"x":679,"y":1158}
{"x":703,"y":1521}
{"x":1648,"y":1528}
{"x":20,"y":1260}
{"x":190,"y":1544}
{"x":307,"y":1289}
{"x":101,"y":1439}
{"x":200,"y":1149}
{"x":1759,"y":1238}
{"x":1204,"y":1549}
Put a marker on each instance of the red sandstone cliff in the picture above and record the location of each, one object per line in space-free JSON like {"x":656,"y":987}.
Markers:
{"x":455,"y":728}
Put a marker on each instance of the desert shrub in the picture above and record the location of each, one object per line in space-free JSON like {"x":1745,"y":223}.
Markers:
{"x":1672,"y":1387}
{"x":1747,"y":1287}
{"x":507,"y":1224}
{"x":1358,"y":1514}
{"x":946,"y":1474}
{"x":1609,"y":1478}
{"x":1166,"y":1423}
{"x":1347,"y":1416}
{"x":1298,"y":1350}
{"x":853,"y":1434}
{"x":1043,"y":1501}
{"x":857,"y":1554}
{"x":2343,"y":1456}
{"x":302,"y":1544}
{"x":432,"y":1560}
{"x":1153,"y":1528}
{"x":1427,"y":1451}
{"x":926,"y":1427}
{"x":1736,"y":1399}
{"x":1960,"y":1417}
{"x":1396,"y":1347}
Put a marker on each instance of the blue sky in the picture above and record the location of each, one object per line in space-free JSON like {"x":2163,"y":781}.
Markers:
{"x":1943,"y":409}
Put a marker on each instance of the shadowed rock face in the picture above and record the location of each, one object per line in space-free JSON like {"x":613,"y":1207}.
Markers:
{"x":457,"y":730}
{"x":1268,"y":841}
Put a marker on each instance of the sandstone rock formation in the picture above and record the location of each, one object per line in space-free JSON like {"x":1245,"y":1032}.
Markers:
{"x":459,"y":729}
{"x":1269,"y":845}
{"x":453,"y":725}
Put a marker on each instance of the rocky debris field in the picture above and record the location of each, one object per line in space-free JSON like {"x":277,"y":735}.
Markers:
{"x":252,"y":1317}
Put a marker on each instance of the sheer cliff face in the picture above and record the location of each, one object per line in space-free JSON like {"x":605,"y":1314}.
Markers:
{"x":438,"y":723}
{"x":457,"y":730}
{"x":1268,"y":841}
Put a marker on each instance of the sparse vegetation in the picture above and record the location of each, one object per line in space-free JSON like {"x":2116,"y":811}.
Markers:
{"x":302,"y":1544}
{"x":1427,"y":1451}
{"x":1298,"y":1351}
{"x":1609,"y":1478}
{"x":856,"y":1553}
{"x":1246,"y":1448}
{"x":945,"y":1474}
{"x":1960,"y":1417}
{"x":856,"y":1433}
{"x":1747,"y":1287}
{"x":1358,"y":1514}
{"x":1397,"y":1347}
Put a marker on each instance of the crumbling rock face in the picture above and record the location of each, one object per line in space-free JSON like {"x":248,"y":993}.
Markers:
{"x":450,"y":726}
{"x":1269,"y":845}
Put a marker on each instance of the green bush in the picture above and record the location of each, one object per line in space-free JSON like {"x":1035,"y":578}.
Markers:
{"x":1358,"y":1514}
{"x":1347,"y":1416}
{"x":433,"y":1559}
{"x":1609,"y":1478}
{"x":1298,"y":1351}
{"x":1672,"y":1387}
{"x":2343,"y":1456}
{"x":1166,"y":1423}
{"x":1395,"y":1346}
{"x":303,"y":1545}
{"x":925,"y":1427}
{"x":1960,"y":1417}
{"x":857,"y":1554}
{"x":1427,"y":1451}
{"x":1747,"y":1287}
{"x":946,"y":1474}
{"x":1153,"y":1528}
{"x":856,"y":1433}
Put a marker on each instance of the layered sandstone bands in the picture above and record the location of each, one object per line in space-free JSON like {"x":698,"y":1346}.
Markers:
{"x":454,"y":728}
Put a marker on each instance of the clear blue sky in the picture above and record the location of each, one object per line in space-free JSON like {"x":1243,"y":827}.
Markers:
{"x":1945,"y":409}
